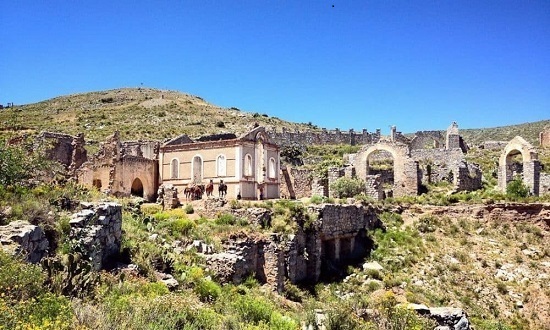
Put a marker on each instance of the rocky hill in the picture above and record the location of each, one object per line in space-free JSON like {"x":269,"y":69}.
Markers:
{"x":146,"y":113}
{"x":137,"y":113}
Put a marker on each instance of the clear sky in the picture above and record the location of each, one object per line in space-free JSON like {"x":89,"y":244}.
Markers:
{"x":338,"y":64}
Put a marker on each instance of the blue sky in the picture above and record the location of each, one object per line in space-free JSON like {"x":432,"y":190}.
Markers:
{"x":338,"y":64}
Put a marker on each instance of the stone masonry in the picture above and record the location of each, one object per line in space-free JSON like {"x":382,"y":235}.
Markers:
{"x":96,"y":232}
{"x":20,"y":238}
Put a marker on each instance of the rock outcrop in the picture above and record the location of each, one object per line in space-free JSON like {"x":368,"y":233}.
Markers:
{"x":23,"y":239}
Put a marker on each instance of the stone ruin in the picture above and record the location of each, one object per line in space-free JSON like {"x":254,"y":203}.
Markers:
{"x":96,"y":233}
{"x":544,"y":137}
{"x":334,"y":236}
{"x":167,"y":196}
{"x":123,"y":168}
{"x":429,"y":157}
{"x":20,"y":238}
{"x":529,"y":169}
{"x":66,"y":149}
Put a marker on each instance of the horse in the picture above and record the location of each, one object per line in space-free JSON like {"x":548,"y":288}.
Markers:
{"x":209,"y":189}
{"x":222,"y":189}
{"x":198,"y":191}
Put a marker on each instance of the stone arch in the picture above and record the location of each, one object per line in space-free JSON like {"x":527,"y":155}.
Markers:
{"x":404,"y":167}
{"x":137,"y":188}
{"x":531,"y":164}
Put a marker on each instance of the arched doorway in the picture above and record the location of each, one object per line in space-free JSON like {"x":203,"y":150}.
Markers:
{"x":137,"y":188}
{"x":519,"y":159}
{"x":394,"y":159}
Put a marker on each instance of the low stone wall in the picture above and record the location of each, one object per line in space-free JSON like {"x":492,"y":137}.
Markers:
{"x":20,"y":238}
{"x":97,"y":231}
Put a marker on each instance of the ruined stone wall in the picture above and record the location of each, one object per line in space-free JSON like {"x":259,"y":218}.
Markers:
{"x":427,"y":140}
{"x":373,"y":187}
{"x":544,"y":184}
{"x":247,"y":256}
{"x":439,"y":164}
{"x":296,"y":183}
{"x":65,"y":149}
{"x":117,"y":165}
{"x":286,"y":138}
{"x":97,"y":231}
{"x":544,"y":138}
{"x":20,"y":238}
{"x":493,"y":145}
{"x":468,"y":178}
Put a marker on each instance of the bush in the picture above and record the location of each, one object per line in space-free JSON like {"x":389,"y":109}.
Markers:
{"x":189,"y":209}
{"x":346,"y":187}
{"x":182,"y":226}
{"x":316,"y":199}
{"x":225,"y":219}
{"x":517,"y":189}
{"x":220,"y":124}
{"x":207,"y":290}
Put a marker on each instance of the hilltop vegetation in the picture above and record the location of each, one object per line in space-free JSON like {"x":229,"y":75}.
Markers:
{"x":152,"y":114}
{"x":137,"y":113}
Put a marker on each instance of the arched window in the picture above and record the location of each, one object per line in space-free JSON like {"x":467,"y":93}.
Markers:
{"x":197,"y":169}
{"x":221,"y":162}
{"x":248,"y":165}
{"x":174,"y":169}
{"x":272,"y":168}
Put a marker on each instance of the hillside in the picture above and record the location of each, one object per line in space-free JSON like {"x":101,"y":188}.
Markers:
{"x":137,"y":113}
{"x":529,"y":131}
{"x":145,"y":113}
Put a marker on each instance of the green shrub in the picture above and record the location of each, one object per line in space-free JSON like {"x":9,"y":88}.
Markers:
{"x":316,"y":199}
{"x":347,"y":187}
{"x":207,"y":290}
{"x":182,"y":227}
{"x":225,"y":219}
{"x":253,"y":309}
{"x":189,"y":209}
{"x":517,"y":189}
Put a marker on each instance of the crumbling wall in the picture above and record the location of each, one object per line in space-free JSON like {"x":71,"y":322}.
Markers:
{"x":531,"y":165}
{"x":117,"y":165}
{"x":65,"y":149}
{"x":20,"y":238}
{"x":427,"y":140}
{"x":296,"y":182}
{"x":338,"y":234}
{"x":287,"y":138}
{"x":96,"y":231}
{"x":544,"y":137}
{"x":245,"y":256}
{"x":544,"y":183}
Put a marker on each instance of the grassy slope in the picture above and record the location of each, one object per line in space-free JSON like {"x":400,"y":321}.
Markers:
{"x":138,"y":113}
{"x":145,"y":113}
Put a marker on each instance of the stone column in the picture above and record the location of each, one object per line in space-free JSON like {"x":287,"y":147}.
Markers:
{"x":531,"y":176}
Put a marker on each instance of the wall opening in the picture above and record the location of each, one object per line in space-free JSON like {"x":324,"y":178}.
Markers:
{"x":338,"y":253}
{"x":137,"y":188}
{"x":514,"y":166}
{"x":97,"y":184}
{"x":382,"y":162}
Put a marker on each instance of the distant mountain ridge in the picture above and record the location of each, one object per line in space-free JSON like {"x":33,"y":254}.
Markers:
{"x":153,"y":114}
